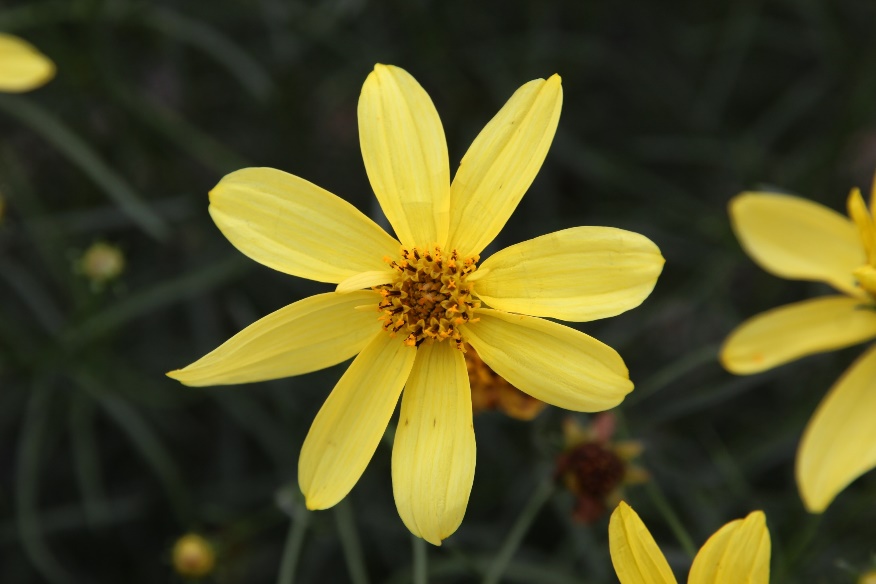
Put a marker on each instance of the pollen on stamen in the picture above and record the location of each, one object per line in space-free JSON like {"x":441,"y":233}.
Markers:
{"x":429,"y":297}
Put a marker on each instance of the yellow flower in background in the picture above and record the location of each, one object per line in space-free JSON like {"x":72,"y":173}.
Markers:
{"x":802,"y":240}
{"x":738,"y":553}
{"x":425,"y":296}
{"x":193,"y":556}
{"x":22,"y":66}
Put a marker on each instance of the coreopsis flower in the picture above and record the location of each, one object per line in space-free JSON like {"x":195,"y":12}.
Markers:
{"x":101,"y":263}
{"x":425,"y":296}
{"x":737,"y":553}
{"x":595,"y":468}
{"x":491,"y":391}
{"x":193,"y":556}
{"x":802,"y":240}
{"x":868,"y":577}
{"x":22,"y":66}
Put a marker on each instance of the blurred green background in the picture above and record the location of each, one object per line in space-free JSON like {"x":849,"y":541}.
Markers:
{"x":670,"y":109}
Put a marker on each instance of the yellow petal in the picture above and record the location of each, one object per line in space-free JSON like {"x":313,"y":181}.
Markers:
{"x":308,"y":335}
{"x":22,"y":66}
{"x":789,"y":332}
{"x":351,"y":422}
{"x":861,"y":216}
{"x":798,"y":239}
{"x":405,"y":155}
{"x":293,"y":226}
{"x":577,"y":274}
{"x":738,"y":553}
{"x":433,"y":458}
{"x":366,"y":280}
{"x":634,"y":553}
{"x":501,"y":164}
{"x":839,"y":443}
{"x":551,"y":362}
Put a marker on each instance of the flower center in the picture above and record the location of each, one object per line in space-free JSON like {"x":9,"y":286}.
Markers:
{"x":591,"y":469}
{"x":429,"y":297}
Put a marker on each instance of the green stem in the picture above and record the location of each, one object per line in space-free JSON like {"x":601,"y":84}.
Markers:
{"x":350,"y":542}
{"x":294,"y":545}
{"x":27,"y":490}
{"x":677,"y":527}
{"x":539,"y":497}
{"x":420,"y":560}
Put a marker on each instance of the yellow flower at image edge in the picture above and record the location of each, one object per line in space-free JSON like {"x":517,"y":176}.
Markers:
{"x":798,"y":239}
{"x":738,"y":552}
{"x":22,"y":66}
{"x":425,"y":296}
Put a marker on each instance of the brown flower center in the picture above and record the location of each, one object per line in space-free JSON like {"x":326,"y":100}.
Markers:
{"x":590,"y":469}
{"x":429,"y":297}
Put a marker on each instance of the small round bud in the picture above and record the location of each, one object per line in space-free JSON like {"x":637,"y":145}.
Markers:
{"x":193,"y":556}
{"x":102,"y":263}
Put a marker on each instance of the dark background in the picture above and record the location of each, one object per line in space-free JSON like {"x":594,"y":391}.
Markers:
{"x":670,"y":108}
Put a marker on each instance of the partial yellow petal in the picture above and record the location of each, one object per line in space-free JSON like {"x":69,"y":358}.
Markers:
{"x":789,"y":332}
{"x":839,"y":443}
{"x":308,"y":335}
{"x":578,"y":274}
{"x":634,"y":553}
{"x":22,"y":66}
{"x":738,"y":553}
{"x":366,"y":280}
{"x":798,"y":239}
{"x":551,"y":362}
{"x":433,"y":458}
{"x":293,"y":226}
{"x":501,"y":164}
{"x":861,"y":216}
{"x":351,"y":422}
{"x":405,"y":155}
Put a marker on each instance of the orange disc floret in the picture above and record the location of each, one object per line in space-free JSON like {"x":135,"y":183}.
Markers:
{"x":429,"y":297}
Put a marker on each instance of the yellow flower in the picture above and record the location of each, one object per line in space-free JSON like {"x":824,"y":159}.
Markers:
{"x":425,"y":298}
{"x":799,"y":239}
{"x":193,"y":556}
{"x":101,"y":263}
{"x":738,"y":553}
{"x":22,"y":66}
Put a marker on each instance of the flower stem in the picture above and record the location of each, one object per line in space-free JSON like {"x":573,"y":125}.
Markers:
{"x":294,"y":544}
{"x":677,"y":527}
{"x":420,"y":560}
{"x":350,"y":542}
{"x":539,"y":497}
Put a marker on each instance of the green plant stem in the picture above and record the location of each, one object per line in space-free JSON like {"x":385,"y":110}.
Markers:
{"x":294,"y":545}
{"x":677,"y":527}
{"x":350,"y":542}
{"x":420,"y":560}
{"x":27,"y":487}
{"x":539,"y":497}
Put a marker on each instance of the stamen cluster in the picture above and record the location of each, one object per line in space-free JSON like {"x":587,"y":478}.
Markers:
{"x":429,"y":298}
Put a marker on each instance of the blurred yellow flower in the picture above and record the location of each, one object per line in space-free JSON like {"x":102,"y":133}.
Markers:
{"x":22,"y":66}
{"x":868,"y":577}
{"x":101,"y":263}
{"x":425,"y":296}
{"x":737,"y":553}
{"x":799,"y":239}
{"x":193,"y":556}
